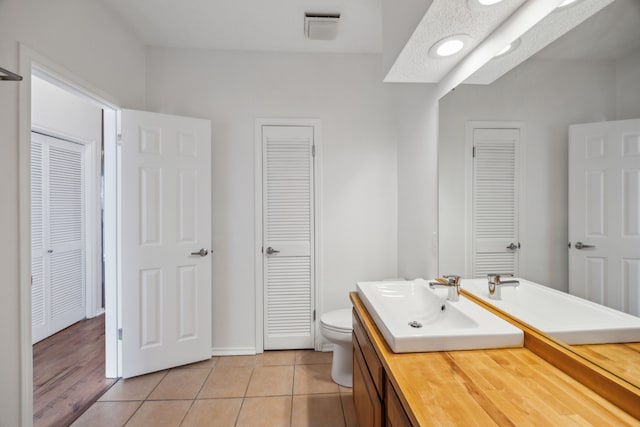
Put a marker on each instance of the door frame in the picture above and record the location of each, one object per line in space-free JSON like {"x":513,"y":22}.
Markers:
{"x":316,"y":124}
{"x":30,"y":62}
{"x":468,"y":188}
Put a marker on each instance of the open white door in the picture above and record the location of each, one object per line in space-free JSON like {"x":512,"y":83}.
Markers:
{"x":604,"y":213}
{"x":165,"y":298}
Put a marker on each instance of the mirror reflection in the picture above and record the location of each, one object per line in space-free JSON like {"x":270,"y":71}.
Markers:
{"x":543,"y":169}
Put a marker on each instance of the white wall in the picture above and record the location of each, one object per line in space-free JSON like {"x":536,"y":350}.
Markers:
{"x":96,"y":48}
{"x":628,"y":87}
{"x":359,"y":185}
{"x":548,"y":96}
{"x":58,"y":110}
{"x":416,"y":114}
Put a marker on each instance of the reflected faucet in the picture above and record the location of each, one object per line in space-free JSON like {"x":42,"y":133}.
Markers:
{"x":452,"y":283}
{"x":496,"y":284}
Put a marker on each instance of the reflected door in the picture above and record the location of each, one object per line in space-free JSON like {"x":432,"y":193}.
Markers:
{"x":165,"y":298}
{"x":496,"y":241}
{"x":604,"y":213}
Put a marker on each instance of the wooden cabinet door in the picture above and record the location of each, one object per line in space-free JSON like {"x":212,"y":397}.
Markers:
{"x":396,"y":416}
{"x":365,"y":397}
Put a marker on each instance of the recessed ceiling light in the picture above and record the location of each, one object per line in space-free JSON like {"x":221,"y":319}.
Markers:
{"x":481,"y":5}
{"x":508,"y":48}
{"x":567,"y":3}
{"x":449,"y":46}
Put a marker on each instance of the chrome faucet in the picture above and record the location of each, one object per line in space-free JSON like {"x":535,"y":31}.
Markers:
{"x":496,"y":284}
{"x":452,"y":283}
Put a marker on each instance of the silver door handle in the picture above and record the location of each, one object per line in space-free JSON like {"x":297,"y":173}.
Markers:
{"x":580,"y":245}
{"x":201,"y":252}
{"x":271,"y":251}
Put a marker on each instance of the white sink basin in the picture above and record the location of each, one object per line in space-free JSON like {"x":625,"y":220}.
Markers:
{"x":444,"y":325}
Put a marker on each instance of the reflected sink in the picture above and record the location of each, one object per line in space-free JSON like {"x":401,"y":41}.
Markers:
{"x":566,"y":317}
{"x":438,"y":324}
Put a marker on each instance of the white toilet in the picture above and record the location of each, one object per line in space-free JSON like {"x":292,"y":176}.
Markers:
{"x":336,"y":326}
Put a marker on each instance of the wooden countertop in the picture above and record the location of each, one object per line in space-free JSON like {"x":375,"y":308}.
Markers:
{"x":488,"y":387}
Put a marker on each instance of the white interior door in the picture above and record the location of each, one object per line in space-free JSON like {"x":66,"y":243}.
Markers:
{"x":288,"y":240}
{"x":495,"y":241}
{"x":57,"y":235}
{"x":165,"y":299}
{"x":604,"y":213}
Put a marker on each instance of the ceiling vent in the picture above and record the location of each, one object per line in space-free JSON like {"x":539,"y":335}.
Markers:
{"x":321,"y":26}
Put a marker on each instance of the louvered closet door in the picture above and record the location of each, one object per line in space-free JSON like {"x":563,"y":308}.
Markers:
{"x":495,"y":201}
{"x":288,"y":225}
{"x":57,"y":235}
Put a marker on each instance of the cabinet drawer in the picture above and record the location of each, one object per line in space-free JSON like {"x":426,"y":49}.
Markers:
{"x":371,"y":358}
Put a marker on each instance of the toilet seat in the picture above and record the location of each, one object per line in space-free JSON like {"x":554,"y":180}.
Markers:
{"x":337,"y":321}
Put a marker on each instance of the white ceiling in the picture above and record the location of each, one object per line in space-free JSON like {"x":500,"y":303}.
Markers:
{"x":258,"y":25}
{"x":278,"y":25}
{"x":553,"y":26}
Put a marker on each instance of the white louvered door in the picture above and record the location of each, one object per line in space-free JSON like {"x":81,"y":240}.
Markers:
{"x":288,"y":241}
{"x":495,"y":233}
{"x":57,"y":235}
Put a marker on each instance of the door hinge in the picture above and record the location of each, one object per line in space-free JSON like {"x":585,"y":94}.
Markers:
{"x":313,"y":150}
{"x":120,"y":334}
{"x":314,"y":315}
{"x":474,"y":152}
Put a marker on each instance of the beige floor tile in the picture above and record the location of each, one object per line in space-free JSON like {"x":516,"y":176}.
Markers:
{"x":180,"y":384}
{"x":280,"y":357}
{"x":318,"y":410}
{"x":209,"y":363}
{"x":107,"y":414}
{"x":160,"y":413}
{"x":137,"y":388}
{"x":312,"y":379}
{"x":236,"y":361}
{"x":345,"y":390}
{"x":309,"y":357}
{"x":226,"y":381}
{"x":265,"y":411}
{"x":349,"y":411}
{"x":271,"y":381}
{"x":213,"y":413}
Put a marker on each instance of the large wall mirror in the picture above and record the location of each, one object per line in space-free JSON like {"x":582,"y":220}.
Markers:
{"x":591,"y":74}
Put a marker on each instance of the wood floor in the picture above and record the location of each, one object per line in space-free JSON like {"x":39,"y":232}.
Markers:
{"x":68,"y":373}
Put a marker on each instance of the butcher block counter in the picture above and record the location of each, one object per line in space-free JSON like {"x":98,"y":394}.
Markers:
{"x":501,"y":387}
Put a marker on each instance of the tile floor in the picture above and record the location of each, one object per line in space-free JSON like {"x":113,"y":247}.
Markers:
{"x":276,"y":388}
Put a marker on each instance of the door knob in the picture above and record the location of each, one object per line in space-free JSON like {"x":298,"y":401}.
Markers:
{"x":201,"y":252}
{"x":513,"y":246}
{"x":580,"y":245}
{"x":271,"y":251}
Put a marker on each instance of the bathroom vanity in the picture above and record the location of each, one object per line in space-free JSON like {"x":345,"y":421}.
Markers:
{"x":506,"y":386}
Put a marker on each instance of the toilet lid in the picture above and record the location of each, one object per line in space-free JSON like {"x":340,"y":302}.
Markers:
{"x":338,"y":319}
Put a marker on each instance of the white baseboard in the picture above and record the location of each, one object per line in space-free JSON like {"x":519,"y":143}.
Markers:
{"x":233,"y":351}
